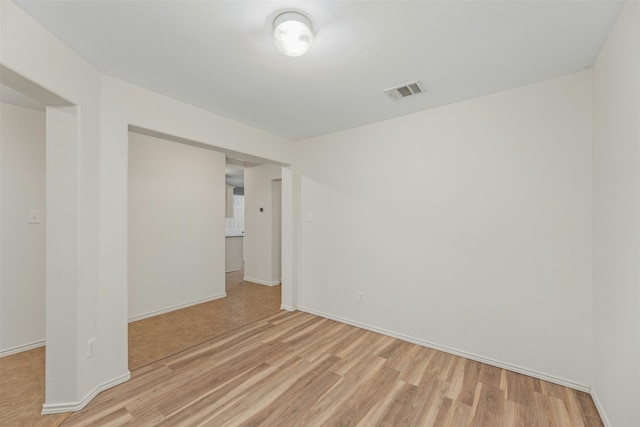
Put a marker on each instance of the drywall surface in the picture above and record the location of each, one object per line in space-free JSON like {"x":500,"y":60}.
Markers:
{"x":124,"y":105}
{"x":466,"y":226}
{"x":87,"y":198}
{"x":147,"y":110}
{"x":276,"y":230}
{"x":616,"y":207}
{"x":233,"y":254}
{"x":258,"y":224}
{"x":22,"y":285}
{"x":176,"y":225}
{"x":49,"y":67}
{"x":289,"y":240}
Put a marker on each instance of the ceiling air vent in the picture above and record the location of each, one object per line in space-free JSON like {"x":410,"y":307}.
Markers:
{"x":407,"y":89}
{"x":240,"y":162}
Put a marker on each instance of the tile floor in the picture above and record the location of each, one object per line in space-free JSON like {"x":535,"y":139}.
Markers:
{"x":22,"y":375}
{"x":161,"y":336}
{"x":22,"y":390}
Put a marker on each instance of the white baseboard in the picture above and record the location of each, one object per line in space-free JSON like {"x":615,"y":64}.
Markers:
{"x":488,"y":361}
{"x":21,"y":348}
{"x":287,"y":307}
{"x":57,"y":408}
{"x":175,"y":307}
{"x":600,"y":408}
{"x":261,"y":282}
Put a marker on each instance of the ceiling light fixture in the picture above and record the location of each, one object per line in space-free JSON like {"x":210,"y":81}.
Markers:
{"x":292,"y":33}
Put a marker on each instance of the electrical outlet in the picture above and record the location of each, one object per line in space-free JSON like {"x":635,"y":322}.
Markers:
{"x":361,"y":297}
{"x":91,"y":348}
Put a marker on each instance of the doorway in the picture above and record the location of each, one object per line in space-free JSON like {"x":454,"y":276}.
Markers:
{"x":276,"y":229}
{"x":39,"y":241}
{"x":22,"y":287}
{"x":178,"y":295}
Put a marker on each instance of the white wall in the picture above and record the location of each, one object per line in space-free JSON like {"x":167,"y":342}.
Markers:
{"x":616,"y":207}
{"x":290,"y":232}
{"x":44,"y":64}
{"x":87,"y":174}
{"x":276,"y":230}
{"x":491,"y":260}
{"x":124,"y":105}
{"x":258,"y":226}
{"x":466,"y":226}
{"x":176,"y":225}
{"x":234,"y":253}
{"x":22,"y":285}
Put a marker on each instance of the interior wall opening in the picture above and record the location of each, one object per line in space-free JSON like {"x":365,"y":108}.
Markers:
{"x":37,"y":144}
{"x":187,"y":280}
{"x":23,"y":224}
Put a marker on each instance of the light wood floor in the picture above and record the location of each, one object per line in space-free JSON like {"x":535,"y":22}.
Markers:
{"x":296,"y":369}
{"x":161,"y":336}
{"x":22,"y":375}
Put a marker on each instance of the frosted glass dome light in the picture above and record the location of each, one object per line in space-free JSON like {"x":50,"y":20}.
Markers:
{"x":292,"y":33}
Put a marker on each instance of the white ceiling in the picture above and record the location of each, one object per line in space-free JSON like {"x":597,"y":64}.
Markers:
{"x":219,"y":55}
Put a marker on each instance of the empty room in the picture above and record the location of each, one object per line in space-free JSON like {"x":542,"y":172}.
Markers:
{"x":440,"y":206}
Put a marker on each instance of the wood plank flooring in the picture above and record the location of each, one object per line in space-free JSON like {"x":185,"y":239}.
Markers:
{"x":160,"y":336}
{"x":22,"y":375}
{"x":296,"y":369}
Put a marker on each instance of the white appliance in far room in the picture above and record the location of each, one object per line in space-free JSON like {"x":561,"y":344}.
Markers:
{"x":234,"y":232}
